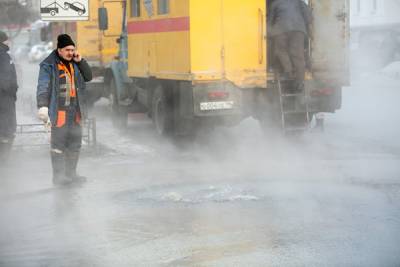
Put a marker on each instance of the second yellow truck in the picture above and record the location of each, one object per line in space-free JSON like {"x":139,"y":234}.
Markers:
{"x":99,"y":48}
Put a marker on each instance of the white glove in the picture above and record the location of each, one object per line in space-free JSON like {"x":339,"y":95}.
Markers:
{"x":43,"y":114}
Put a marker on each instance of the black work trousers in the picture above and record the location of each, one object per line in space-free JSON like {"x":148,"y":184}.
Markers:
{"x":8,"y":118}
{"x":66,"y":138}
{"x":289,"y":50}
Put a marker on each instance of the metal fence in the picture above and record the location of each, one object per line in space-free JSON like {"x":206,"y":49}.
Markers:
{"x":36,"y":135}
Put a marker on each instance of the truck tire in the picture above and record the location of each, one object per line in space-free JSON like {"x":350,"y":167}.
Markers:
{"x":162,"y":113}
{"x":119,"y":114}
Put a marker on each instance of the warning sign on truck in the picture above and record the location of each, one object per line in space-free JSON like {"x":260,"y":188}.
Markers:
{"x":59,"y":10}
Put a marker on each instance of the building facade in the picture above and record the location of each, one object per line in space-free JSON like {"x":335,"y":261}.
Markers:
{"x":374,"y":13}
{"x":375,"y":32}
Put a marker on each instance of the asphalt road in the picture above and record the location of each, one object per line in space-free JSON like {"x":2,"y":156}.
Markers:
{"x":233,"y":197}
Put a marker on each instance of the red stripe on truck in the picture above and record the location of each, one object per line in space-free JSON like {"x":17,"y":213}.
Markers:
{"x":159,"y":25}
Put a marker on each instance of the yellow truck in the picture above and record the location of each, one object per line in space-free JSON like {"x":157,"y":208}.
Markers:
{"x":98,"y":48}
{"x":190,"y":63}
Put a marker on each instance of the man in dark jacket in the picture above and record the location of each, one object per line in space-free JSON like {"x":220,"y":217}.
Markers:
{"x":8,"y":96}
{"x":62,"y":78}
{"x":289,"y":24}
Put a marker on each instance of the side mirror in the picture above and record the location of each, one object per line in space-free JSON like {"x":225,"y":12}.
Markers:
{"x":103,"y":18}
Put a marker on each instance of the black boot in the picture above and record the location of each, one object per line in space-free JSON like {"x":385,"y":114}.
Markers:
{"x":57,"y":161}
{"x":71,"y":162}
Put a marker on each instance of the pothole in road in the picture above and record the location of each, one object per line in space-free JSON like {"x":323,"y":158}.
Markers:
{"x":298,"y":194}
{"x":191,"y":194}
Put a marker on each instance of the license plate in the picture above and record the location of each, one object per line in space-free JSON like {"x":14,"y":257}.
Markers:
{"x":216,"y":105}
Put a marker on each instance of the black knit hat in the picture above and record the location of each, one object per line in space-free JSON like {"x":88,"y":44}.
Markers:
{"x":64,"y":40}
{"x":3,"y":37}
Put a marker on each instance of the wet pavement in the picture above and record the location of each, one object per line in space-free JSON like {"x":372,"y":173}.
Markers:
{"x":234,"y":197}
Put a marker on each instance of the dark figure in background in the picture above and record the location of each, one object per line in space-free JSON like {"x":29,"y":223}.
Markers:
{"x":289,"y":24}
{"x":8,"y":96}
{"x":61,"y":83}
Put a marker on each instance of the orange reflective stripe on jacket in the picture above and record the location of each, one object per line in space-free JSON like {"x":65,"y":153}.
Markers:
{"x":78,"y":118}
{"x":61,"y":117}
{"x":71,"y":77}
{"x":70,"y":92}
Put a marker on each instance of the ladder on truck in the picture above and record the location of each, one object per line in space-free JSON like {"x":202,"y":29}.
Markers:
{"x":294,"y":107}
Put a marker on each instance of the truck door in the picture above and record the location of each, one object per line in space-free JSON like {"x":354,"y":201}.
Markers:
{"x":244,"y":42}
{"x":330,"y":43}
{"x":109,"y":46}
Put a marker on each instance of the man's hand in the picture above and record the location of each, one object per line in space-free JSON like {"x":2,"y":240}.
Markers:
{"x":43,"y":115}
{"x":77,"y":57}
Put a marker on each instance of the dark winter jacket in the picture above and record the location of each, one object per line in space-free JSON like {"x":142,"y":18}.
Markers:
{"x":48,"y":88}
{"x":8,"y":76}
{"x":287,"y":16}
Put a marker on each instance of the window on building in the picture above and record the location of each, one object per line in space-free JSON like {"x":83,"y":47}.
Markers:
{"x":374,"y":6}
{"x":135,"y":8}
{"x":163,"y":7}
{"x":357,"y":9}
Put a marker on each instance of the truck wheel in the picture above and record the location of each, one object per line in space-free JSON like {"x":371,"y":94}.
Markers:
{"x":162,"y":112}
{"x":119,"y":114}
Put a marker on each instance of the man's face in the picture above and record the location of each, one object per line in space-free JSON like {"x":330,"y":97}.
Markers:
{"x":67,"y":52}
